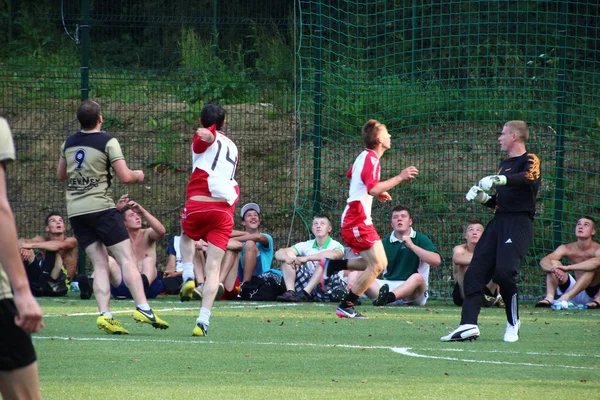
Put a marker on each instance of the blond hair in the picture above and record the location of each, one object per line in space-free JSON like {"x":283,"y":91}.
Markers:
{"x":520,"y":128}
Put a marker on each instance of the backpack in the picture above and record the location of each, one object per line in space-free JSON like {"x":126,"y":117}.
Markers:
{"x":262,"y":288}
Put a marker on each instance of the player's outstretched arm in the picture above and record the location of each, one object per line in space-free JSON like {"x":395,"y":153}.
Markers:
{"x":30,"y":313}
{"x":125,"y":174}
{"x":405,"y":175}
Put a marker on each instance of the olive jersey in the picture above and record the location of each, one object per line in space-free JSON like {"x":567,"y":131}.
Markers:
{"x":89,"y":156}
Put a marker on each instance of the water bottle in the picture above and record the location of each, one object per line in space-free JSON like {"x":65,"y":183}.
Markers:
{"x":556,"y":305}
{"x":74,"y":286}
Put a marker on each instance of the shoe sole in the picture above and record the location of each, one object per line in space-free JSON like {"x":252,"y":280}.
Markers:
{"x":156,"y":325}
{"x":467,"y":339}
{"x":343,"y":314}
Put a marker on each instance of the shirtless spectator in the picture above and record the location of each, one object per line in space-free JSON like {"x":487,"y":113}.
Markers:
{"x":584,"y":258}
{"x":59,"y":258}
{"x":461,"y":259}
{"x":143,"y":241}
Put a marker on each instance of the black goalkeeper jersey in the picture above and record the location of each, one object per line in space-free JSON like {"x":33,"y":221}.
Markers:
{"x":523,"y":181}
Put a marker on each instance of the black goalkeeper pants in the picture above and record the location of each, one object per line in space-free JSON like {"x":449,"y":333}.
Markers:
{"x":497,"y":256}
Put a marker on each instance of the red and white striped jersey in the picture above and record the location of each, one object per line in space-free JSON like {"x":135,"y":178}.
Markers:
{"x":213,"y":168}
{"x":364,"y":174}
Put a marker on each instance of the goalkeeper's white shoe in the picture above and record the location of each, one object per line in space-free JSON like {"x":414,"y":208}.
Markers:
{"x":512,"y":332}
{"x":462,"y":333}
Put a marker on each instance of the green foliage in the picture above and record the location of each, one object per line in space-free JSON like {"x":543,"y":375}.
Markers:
{"x":209,"y":75}
{"x":164,"y":142}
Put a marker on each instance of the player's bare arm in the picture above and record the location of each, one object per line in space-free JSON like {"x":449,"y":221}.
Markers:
{"x":125,"y":174}
{"x":205,"y":135}
{"x":30,"y":313}
{"x":61,"y":170}
{"x":383,"y":186}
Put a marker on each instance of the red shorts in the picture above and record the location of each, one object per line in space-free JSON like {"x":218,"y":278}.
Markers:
{"x":210,"y":221}
{"x":360,"y":237}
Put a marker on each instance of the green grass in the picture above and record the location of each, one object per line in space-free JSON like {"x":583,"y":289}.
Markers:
{"x":272,"y":351}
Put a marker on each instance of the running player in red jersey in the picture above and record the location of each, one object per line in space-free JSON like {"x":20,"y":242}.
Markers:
{"x":208,"y":214}
{"x":357,"y":227}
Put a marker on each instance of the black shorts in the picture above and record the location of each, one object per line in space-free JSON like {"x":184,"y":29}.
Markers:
{"x":105,"y":226}
{"x":16,"y":349}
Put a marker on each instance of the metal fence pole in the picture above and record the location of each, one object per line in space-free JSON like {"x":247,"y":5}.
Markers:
{"x":85,"y":48}
{"x":318,"y":99}
{"x":560,"y":128}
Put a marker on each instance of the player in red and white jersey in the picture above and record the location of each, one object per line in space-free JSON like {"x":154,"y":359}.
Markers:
{"x":357,"y":227}
{"x":208,"y":214}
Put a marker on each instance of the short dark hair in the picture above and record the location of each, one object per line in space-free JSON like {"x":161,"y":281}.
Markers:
{"x":590,"y":218}
{"x":212,"y":114}
{"x":369,"y":133}
{"x":50,"y":215}
{"x":402,"y":207}
{"x":124,"y":210}
{"x":88,"y":114}
{"x":473,"y":221}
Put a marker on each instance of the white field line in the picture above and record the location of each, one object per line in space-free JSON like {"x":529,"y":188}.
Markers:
{"x":399,"y":350}
{"x":192,"y":308}
{"x":406,"y":351}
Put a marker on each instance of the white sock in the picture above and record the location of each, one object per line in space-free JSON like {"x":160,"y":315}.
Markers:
{"x":145,"y":307}
{"x":204,"y":317}
{"x":188,"y":271}
{"x":106,"y":314}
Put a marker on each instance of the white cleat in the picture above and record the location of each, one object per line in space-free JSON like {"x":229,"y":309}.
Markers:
{"x":512,"y":332}
{"x":462,"y":333}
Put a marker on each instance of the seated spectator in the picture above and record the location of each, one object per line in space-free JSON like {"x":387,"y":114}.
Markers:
{"x":584,"y":256}
{"x":256,"y":255}
{"x":301,"y":268}
{"x":58,"y":265}
{"x":172,"y":275}
{"x":143,"y":241}
{"x":461,"y":259}
{"x":409,"y":254}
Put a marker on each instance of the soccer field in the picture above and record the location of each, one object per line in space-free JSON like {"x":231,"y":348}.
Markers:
{"x":303,"y":351}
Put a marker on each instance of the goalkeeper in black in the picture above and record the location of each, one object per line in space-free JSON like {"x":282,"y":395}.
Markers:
{"x":506,"y":239}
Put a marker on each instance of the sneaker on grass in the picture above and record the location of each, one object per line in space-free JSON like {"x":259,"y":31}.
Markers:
{"x":512,"y":332}
{"x":348,"y":311}
{"x":462,"y":333}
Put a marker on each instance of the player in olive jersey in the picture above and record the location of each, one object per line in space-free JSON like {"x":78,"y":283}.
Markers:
{"x":20,"y":313}
{"x":85,"y":161}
